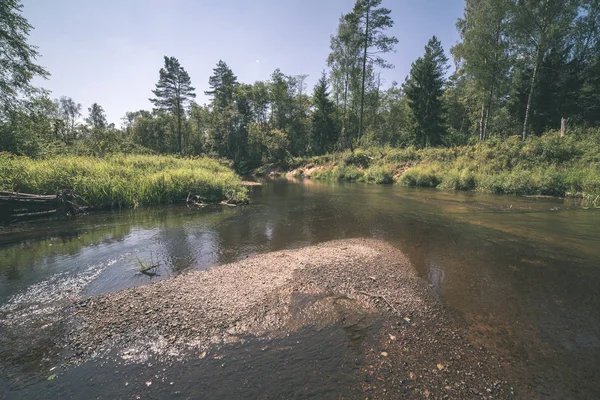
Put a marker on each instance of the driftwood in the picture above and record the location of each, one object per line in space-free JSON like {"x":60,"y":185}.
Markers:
{"x":379,"y":296}
{"x":15,"y":205}
{"x":194,"y":201}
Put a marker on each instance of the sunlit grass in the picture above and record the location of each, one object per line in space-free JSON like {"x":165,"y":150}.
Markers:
{"x":546,"y":165}
{"x":122,"y":181}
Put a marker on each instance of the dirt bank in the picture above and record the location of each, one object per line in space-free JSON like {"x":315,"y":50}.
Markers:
{"x":416,"y":351}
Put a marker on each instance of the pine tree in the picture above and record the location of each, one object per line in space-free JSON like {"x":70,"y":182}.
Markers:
{"x":424,"y":90}
{"x":173,"y":92}
{"x":324,"y":130}
{"x":222,"y":84}
{"x":372,"y":20}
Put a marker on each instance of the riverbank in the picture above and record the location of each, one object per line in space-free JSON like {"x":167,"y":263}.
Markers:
{"x":122,"y":180}
{"x":414,"y":349}
{"x":549,"y":165}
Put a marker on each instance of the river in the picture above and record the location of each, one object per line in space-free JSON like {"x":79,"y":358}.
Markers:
{"x":522,"y":274}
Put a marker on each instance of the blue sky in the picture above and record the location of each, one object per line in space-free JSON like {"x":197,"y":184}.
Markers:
{"x":110,"y":51}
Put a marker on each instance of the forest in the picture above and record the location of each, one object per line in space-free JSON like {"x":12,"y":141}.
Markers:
{"x":525,"y":75}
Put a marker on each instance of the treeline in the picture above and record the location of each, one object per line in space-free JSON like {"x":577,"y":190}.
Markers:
{"x":522,"y":67}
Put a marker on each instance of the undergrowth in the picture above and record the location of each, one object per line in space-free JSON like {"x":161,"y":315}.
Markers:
{"x":546,"y":165}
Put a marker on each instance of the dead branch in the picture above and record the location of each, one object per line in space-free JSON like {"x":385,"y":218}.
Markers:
{"x":379,"y":296}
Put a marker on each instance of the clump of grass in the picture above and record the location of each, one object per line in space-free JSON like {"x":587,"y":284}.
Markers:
{"x":423,"y":176}
{"x":148,"y":267}
{"x":348,"y":173}
{"x":122,"y":181}
{"x":380,"y":174}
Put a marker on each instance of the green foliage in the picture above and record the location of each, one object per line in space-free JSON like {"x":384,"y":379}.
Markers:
{"x":548,"y":165}
{"x":324,"y":129}
{"x":17,"y":57}
{"x":173,"y":93}
{"x":424,"y":89}
{"x":358,"y":158}
{"x":222,"y":85}
{"x":122,"y":181}
{"x":379,"y":174}
{"x":270,"y":145}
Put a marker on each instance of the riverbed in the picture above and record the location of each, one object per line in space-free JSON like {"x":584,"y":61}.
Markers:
{"x":520,"y":274}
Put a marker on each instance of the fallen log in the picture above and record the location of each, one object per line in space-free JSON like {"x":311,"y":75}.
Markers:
{"x":15,"y":205}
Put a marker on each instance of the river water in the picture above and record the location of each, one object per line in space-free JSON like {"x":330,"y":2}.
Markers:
{"x":522,"y":274}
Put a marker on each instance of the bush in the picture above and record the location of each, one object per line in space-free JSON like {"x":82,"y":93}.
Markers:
{"x":348,"y":173}
{"x":358,"y":158}
{"x":379,"y":174}
{"x":428,"y":176}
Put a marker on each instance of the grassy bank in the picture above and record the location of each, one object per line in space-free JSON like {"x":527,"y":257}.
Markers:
{"x":122,"y":181}
{"x":547,"y":165}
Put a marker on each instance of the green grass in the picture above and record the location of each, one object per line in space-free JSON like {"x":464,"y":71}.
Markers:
{"x":546,"y":165}
{"x":122,"y":181}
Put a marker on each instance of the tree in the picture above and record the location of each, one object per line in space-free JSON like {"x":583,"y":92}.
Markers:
{"x":222,"y":84}
{"x":345,"y":63}
{"x":483,"y":54}
{"x":372,"y":21}
{"x":31,"y":129}
{"x":17,"y":57}
{"x":424,"y":90}
{"x":538,"y":26}
{"x":96,"y":117}
{"x":70,"y":112}
{"x":173,"y":93}
{"x":290,"y":108}
{"x":324,"y":130}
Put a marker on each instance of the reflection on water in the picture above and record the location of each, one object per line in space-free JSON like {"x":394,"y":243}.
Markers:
{"x":522,"y":273}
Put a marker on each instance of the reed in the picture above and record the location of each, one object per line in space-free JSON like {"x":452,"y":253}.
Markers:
{"x":122,"y":180}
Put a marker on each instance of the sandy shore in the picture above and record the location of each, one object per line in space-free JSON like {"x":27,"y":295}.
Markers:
{"x":417,"y":350}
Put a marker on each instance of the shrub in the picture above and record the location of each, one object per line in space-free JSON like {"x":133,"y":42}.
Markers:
{"x":379,"y":174}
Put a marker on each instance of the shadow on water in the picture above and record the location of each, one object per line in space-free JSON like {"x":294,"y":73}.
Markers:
{"x":305,"y":365}
{"x":522,"y":273}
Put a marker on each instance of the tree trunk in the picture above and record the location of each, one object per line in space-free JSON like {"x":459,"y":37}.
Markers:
{"x":530,"y":97}
{"x":563,"y":126}
{"x":485,"y":123}
{"x":345,"y":115}
{"x":364,"y":73}
{"x":481,"y":121}
{"x":178,"y":129}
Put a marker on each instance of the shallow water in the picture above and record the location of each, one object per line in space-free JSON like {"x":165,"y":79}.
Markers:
{"x":522,"y":273}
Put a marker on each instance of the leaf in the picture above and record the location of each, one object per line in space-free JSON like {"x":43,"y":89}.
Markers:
{"x":440,"y":367}
{"x":51,"y":377}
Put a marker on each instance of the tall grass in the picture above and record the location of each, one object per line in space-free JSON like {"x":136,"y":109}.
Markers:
{"x":122,"y":181}
{"x":546,"y":165}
